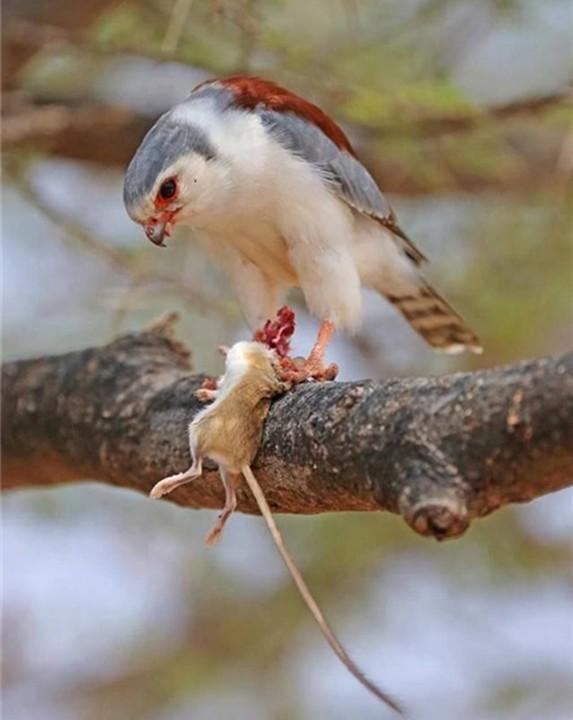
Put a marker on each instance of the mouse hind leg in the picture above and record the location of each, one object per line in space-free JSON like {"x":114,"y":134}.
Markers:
{"x":231,"y":482}
{"x":168,"y":484}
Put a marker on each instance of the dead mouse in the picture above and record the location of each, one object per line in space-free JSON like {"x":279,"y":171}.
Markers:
{"x":229,"y":432}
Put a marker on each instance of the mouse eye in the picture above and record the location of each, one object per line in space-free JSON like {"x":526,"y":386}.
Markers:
{"x":167,"y":189}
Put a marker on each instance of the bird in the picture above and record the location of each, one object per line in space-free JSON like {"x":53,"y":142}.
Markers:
{"x":278,"y":198}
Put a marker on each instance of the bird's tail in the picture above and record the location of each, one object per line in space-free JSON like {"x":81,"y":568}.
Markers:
{"x":435,"y":320}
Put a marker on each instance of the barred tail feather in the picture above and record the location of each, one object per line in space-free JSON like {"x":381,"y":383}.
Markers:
{"x":435,"y":320}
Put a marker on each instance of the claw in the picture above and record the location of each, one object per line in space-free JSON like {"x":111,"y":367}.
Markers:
{"x":298,"y":370}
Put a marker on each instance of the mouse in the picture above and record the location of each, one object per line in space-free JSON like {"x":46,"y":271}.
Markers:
{"x":229,"y":432}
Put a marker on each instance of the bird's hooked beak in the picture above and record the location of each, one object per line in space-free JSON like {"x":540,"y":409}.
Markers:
{"x":156,"y":232}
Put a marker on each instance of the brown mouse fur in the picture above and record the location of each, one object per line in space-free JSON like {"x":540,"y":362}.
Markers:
{"x":230,"y":430}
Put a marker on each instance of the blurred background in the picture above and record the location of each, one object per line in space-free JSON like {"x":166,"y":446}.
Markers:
{"x":112,"y":606}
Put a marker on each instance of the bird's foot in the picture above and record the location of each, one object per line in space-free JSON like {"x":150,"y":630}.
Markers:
{"x":298,"y":370}
{"x":276,"y":334}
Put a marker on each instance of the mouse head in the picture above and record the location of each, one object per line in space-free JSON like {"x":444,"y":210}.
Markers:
{"x":244,"y":356}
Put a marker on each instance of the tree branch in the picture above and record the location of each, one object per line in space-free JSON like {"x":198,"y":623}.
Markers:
{"x":109,"y":135}
{"x":439,"y":451}
{"x":83,"y":129}
{"x":446,"y":124}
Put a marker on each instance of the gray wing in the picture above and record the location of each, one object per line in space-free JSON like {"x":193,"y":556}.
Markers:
{"x":346,"y":175}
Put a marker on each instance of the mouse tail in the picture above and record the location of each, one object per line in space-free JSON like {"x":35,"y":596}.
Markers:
{"x":308,"y":597}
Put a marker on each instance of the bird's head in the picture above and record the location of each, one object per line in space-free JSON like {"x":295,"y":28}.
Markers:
{"x":174,"y":177}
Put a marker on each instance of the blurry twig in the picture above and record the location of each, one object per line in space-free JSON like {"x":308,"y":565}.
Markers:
{"x":177,"y":20}
{"x":565,"y":158}
{"x":109,"y":135}
{"x":34,"y":122}
{"x":248,"y":22}
{"x":435,"y":125}
{"x":410,"y":127}
{"x":113,"y":257}
{"x":71,"y":229}
{"x":352,"y":14}
{"x":80,"y":129}
{"x":38,"y":37}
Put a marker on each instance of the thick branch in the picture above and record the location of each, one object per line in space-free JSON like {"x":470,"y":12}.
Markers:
{"x":439,"y":451}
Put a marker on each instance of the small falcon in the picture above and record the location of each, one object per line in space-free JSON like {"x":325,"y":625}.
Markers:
{"x":278,"y":198}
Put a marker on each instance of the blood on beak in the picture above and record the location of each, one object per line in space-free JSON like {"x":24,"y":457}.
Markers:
{"x":156,"y":232}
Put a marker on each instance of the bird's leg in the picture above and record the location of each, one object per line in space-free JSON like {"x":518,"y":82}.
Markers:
{"x":231,"y":483}
{"x":316,"y":357}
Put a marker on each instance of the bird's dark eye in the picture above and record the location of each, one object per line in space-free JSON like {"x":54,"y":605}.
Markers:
{"x":168,"y":189}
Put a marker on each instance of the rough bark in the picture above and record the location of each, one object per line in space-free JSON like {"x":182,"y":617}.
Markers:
{"x":439,"y":451}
